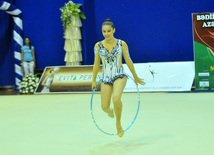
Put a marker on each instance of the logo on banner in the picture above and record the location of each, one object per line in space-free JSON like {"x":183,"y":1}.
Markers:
{"x":152,"y":73}
{"x":75,"y":77}
{"x":206,"y":17}
{"x":211,"y":68}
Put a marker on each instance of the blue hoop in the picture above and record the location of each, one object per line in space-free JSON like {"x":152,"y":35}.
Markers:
{"x":91,"y":106}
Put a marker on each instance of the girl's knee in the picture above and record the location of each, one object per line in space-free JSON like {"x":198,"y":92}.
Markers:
{"x":105,"y":107}
{"x":116,"y":100}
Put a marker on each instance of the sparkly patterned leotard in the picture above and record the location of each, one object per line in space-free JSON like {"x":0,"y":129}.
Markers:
{"x":112,"y":63}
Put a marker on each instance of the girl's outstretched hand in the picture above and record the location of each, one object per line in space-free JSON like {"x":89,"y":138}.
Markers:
{"x":93,"y":86}
{"x":140,"y":81}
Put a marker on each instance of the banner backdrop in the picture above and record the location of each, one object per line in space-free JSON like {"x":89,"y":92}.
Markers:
{"x":171,"y":76}
{"x":166,"y":76}
{"x":203,"y":33}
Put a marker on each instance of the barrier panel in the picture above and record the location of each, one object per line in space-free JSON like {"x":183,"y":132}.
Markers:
{"x":169,"y":76}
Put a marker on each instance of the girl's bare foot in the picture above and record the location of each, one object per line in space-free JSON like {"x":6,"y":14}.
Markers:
{"x":120,"y":131}
{"x":111,"y":113}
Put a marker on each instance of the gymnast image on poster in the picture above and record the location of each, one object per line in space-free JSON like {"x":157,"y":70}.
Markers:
{"x":48,"y":80}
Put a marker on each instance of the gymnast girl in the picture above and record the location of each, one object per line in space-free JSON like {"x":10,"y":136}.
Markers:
{"x":110,"y":51}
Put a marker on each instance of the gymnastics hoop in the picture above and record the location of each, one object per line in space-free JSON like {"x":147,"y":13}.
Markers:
{"x":91,"y":106}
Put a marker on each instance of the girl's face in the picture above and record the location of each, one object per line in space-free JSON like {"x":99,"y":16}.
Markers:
{"x":108,"y":32}
{"x":27,"y":41}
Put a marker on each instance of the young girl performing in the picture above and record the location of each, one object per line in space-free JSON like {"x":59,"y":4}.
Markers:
{"x":110,"y":51}
{"x":28,"y":57}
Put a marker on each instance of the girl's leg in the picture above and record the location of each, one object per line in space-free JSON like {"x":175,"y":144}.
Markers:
{"x":31,"y":64}
{"x":106,"y":92}
{"x":118,"y":87}
{"x":28,"y":68}
{"x":25,"y":66}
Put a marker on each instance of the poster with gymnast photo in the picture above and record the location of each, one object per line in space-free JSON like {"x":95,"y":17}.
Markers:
{"x":203,"y":33}
{"x":66,"y":79}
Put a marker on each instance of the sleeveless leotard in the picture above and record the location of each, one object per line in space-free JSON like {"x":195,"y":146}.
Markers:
{"x":112,"y":63}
